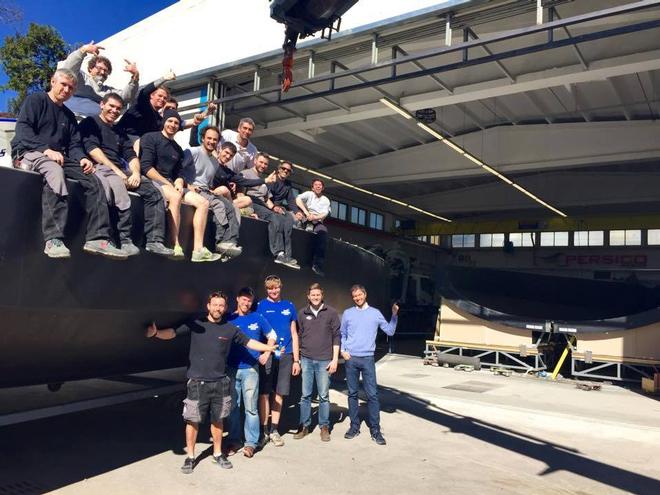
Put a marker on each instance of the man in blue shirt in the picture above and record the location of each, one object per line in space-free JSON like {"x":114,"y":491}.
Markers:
{"x":243,"y":364}
{"x":208,"y":386}
{"x":359,"y":326}
{"x":275,"y":376}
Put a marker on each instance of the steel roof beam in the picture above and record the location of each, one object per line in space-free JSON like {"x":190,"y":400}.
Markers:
{"x":598,"y":71}
{"x":547,"y":27}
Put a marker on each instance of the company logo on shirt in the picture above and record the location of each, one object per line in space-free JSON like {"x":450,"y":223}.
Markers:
{"x":253,"y":326}
{"x":270,"y":311}
{"x":222,"y":338}
{"x":308,"y":317}
{"x":286,"y":312}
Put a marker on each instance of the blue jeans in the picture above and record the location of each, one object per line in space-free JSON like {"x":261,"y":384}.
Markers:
{"x":313,"y":369}
{"x":246,"y":384}
{"x":366,"y":366}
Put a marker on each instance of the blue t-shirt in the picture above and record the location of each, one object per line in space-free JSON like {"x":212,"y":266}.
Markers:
{"x":254,"y":326}
{"x":279,"y":315}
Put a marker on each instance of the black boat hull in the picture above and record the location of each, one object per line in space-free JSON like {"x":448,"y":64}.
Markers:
{"x":550,"y":303}
{"x":85,"y":317}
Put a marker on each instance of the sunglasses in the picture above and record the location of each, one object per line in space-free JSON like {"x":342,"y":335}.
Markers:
{"x":287,"y":170}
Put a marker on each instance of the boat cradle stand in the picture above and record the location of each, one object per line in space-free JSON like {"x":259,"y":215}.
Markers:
{"x":522,"y":357}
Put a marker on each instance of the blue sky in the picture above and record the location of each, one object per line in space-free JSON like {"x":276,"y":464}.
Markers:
{"x":78,"y":21}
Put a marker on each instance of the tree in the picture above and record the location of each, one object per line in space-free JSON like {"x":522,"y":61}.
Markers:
{"x":29,"y":61}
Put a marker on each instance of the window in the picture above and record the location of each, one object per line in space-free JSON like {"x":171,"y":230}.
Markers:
{"x":554,"y":239}
{"x":435,"y":240}
{"x":654,"y":237}
{"x":376,"y":221}
{"x":625,"y":237}
{"x":522,"y":239}
{"x":491,"y":240}
{"x":422,"y":238}
{"x":358,"y":215}
{"x":588,"y":238}
{"x":463,"y":240}
{"x":338,"y":210}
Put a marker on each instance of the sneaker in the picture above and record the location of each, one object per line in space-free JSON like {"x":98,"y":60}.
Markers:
{"x":301,"y":433}
{"x":222,"y":461}
{"x":325,"y":434}
{"x":55,"y":248}
{"x":230,"y":249}
{"x":160,"y":249}
{"x":188,"y":465}
{"x":129,"y":249}
{"x":282,"y":259}
{"x":177,"y":253}
{"x":276,"y":439}
{"x":378,"y":438}
{"x":104,"y":248}
{"x":316,"y":269}
{"x":351,"y":433}
{"x":204,"y":254}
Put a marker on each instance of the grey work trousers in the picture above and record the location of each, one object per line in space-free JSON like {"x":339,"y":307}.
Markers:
{"x":117,"y":194}
{"x":279,"y":229}
{"x":54,"y":204}
{"x":224,"y":217}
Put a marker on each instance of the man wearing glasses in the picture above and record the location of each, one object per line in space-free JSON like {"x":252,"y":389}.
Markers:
{"x":282,"y":194}
{"x":91,"y":86}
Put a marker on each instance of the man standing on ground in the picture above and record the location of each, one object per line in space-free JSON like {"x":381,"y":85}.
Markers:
{"x":279,"y":226}
{"x":246,"y":152}
{"x":47,"y":141}
{"x":200,"y":168}
{"x":110,"y":148}
{"x":209,"y":387}
{"x":91,"y":83}
{"x":359,"y":326}
{"x":316,"y":207}
{"x":243,"y":364}
{"x":275,"y":375}
{"x":319,"y":346}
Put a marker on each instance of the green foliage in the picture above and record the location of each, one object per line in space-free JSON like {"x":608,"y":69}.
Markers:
{"x":29,"y":60}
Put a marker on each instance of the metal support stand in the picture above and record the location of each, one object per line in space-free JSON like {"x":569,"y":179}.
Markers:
{"x":502,"y":358}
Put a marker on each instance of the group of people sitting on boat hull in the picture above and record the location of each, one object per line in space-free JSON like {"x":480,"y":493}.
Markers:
{"x":123,"y":140}
{"x":248,"y":358}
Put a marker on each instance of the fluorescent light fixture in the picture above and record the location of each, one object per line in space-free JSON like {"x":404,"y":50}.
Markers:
{"x":496,"y":173}
{"x":453,"y":146}
{"x":467,"y":155}
{"x":396,"y":201}
{"x":473,"y":159}
{"x":431,"y":131}
{"x":396,"y":108}
{"x":538,"y":200}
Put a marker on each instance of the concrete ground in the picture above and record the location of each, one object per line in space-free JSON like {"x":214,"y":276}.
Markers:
{"x":448,"y":432}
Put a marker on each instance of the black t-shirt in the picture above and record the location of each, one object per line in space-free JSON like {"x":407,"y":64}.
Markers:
{"x":111,"y":140}
{"x":165,"y":155}
{"x":209,"y":346}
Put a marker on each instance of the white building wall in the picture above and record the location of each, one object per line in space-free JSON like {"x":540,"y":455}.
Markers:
{"x":192,"y":35}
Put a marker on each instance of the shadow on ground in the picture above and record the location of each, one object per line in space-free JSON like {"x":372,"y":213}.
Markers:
{"x":556,"y":457}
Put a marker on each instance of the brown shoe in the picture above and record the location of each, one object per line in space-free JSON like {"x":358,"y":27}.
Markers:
{"x":325,"y":434}
{"x":248,"y":451}
{"x":301,"y":433}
